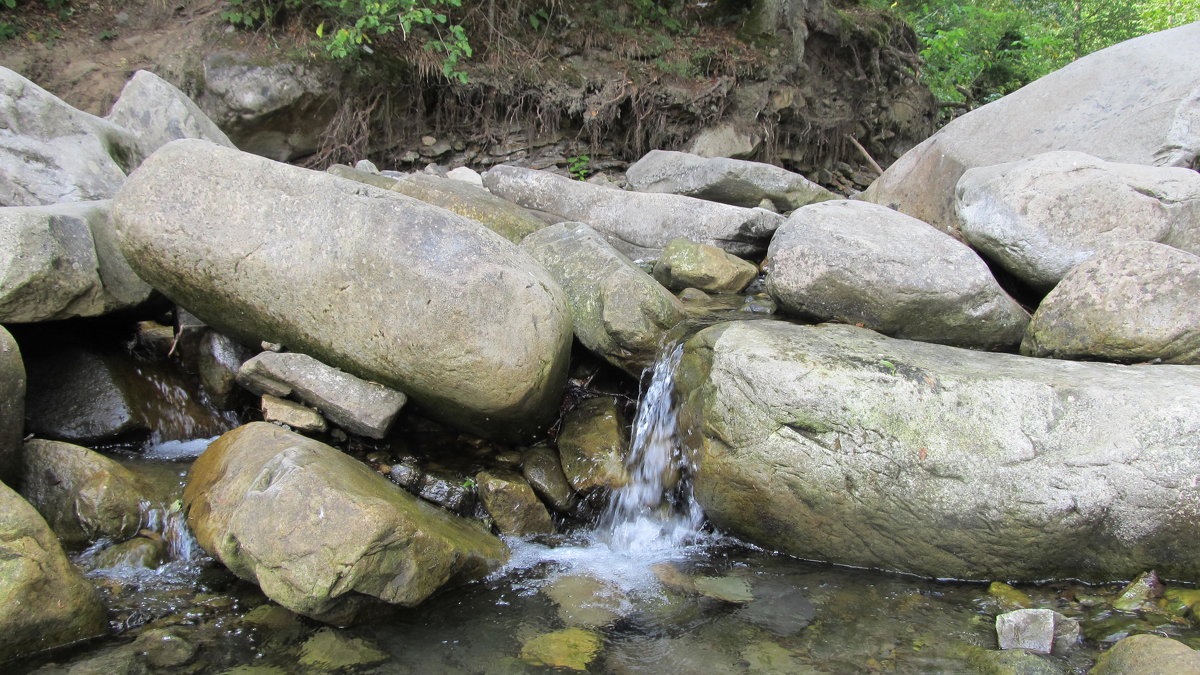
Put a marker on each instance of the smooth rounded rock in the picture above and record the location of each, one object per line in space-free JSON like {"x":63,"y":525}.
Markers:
{"x":1131,"y":102}
{"x":44,"y":601}
{"x":1131,"y":302}
{"x":686,"y":264}
{"x":860,"y":263}
{"x":321,"y":533}
{"x":1148,"y":655}
{"x":835,"y":443}
{"x":382,"y":286}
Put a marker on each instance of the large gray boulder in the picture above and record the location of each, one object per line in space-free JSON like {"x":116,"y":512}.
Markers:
{"x":82,"y":494}
{"x":1131,"y":302}
{"x":320,"y":532}
{"x":1128,"y":103}
{"x":1041,"y":216}
{"x":156,"y":112}
{"x":860,"y":263}
{"x":638,"y":224}
{"x":500,"y":215}
{"x":12,"y":405}
{"x":686,"y":264}
{"x":620,"y":312}
{"x":51,"y":152}
{"x":358,"y":406}
{"x":374,"y":283}
{"x":44,"y":601}
{"x":835,"y":443}
{"x":275,"y":108}
{"x":62,"y":261}
{"x":720,"y":179}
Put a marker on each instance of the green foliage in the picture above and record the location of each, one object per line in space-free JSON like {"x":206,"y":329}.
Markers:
{"x":978,"y":50}
{"x":579,"y":166}
{"x":107,"y":35}
{"x":347,"y":28}
{"x":8,"y":31}
{"x":658,"y":12}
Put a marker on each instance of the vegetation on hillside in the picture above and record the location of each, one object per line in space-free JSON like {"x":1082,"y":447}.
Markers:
{"x":978,"y":50}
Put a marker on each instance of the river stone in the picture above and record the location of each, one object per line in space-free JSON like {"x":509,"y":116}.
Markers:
{"x":361,"y":176}
{"x":512,"y":503}
{"x":501,"y":216}
{"x":1041,"y":216}
{"x":82,"y":494}
{"x":621,"y":313}
{"x":1031,"y":629}
{"x":165,"y":648}
{"x":374,"y":283}
{"x":1128,"y":103}
{"x":686,"y":264}
{"x":12,"y":406}
{"x":62,"y":261}
{"x":720,"y":179}
{"x":1131,"y":302}
{"x":466,"y":175}
{"x":275,"y":108}
{"x":156,"y":112}
{"x":332,"y":652}
{"x":638,"y":224}
{"x":358,"y":406}
{"x":586,"y":601}
{"x":1148,"y":655}
{"x":542,"y":468}
{"x":77,"y":396}
{"x":44,"y":601}
{"x":321,"y":533}
{"x":593,"y":444}
{"x":51,"y":152}
{"x":835,"y":443}
{"x":1143,"y":593}
{"x":218,"y":360}
{"x":292,"y":415}
{"x":860,"y":263}
{"x":139,"y":552}
{"x":571,"y":648}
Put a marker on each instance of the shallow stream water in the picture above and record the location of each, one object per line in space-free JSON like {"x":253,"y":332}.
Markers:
{"x":646,"y":588}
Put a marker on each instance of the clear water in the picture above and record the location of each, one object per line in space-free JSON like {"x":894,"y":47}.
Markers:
{"x":654,"y":589}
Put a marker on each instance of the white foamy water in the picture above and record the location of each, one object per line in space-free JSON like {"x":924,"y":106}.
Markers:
{"x":652,"y":519}
{"x":173,"y":450}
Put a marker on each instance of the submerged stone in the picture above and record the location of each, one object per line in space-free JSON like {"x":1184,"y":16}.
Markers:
{"x":572,"y":648}
{"x":330,"y":650}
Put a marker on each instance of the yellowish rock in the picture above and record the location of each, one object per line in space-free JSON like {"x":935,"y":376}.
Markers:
{"x":572,"y":648}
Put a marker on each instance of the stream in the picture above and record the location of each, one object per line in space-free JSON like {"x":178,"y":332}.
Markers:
{"x":645,"y":587}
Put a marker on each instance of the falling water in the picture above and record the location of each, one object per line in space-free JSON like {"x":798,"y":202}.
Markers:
{"x":655,"y":508}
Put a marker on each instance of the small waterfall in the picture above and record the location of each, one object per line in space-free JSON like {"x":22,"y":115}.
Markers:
{"x":172,"y":525}
{"x":655,"y":509}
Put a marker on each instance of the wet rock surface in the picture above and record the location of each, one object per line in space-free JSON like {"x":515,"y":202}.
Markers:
{"x":44,"y":602}
{"x":512,"y":503}
{"x":593,"y":445}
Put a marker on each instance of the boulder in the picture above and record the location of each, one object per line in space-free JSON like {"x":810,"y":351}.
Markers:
{"x":725,"y":140}
{"x":361,"y":176}
{"x":512,"y":504}
{"x":638,"y":224}
{"x":620,"y":312}
{"x":1041,"y":216}
{"x":686,"y":264}
{"x":466,"y":175}
{"x":62,"y":261}
{"x":860,"y":263}
{"x":358,"y":406}
{"x":88,"y":397}
{"x":82,"y":494}
{"x":593,"y":444}
{"x":44,"y":601}
{"x":1037,"y":630}
{"x":499,"y":215}
{"x":542,"y":468}
{"x":218,"y":360}
{"x":835,"y":443}
{"x":321,"y":533}
{"x":51,"y":152}
{"x":12,"y":405}
{"x":374,"y":283}
{"x":1121,"y":104}
{"x":1131,"y":302}
{"x":275,"y":109}
{"x":720,"y":179}
{"x":1148,"y":655}
{"x":156,"y":112}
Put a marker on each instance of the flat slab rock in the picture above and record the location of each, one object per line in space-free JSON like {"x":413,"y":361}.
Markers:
{"x":720,"y":179}
{"x":835,"y":443}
